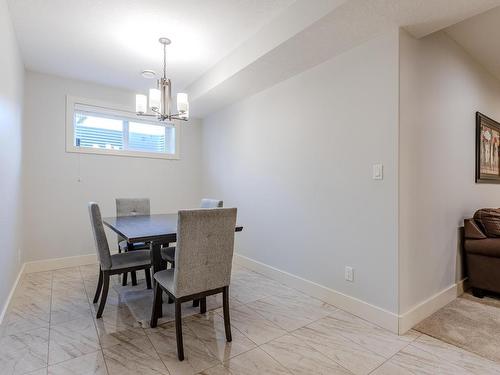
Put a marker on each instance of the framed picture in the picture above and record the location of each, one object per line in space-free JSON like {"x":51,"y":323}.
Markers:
{"x":487,"y":150}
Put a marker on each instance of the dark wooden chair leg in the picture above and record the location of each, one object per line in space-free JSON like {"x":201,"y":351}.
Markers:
{"x":156,"y":306}
{"x":178,"y":331}
{"x":148,"y":278}
{"x":196,"y":302}
{"x":99,"y":287}
{"x":225,"y":308}
{"x":203,"y":305}
{"x":124,"y":279}
{"x":133,"y":276}
{"x":104,"y":295}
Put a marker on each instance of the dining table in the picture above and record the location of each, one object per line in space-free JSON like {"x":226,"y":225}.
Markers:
{"x":157,"y":230}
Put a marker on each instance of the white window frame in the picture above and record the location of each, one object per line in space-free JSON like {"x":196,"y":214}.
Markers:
{"x":114,"y":110}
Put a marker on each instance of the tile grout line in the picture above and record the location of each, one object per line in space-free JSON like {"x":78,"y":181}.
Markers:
{"x":286,"y":367}
{"x":455,"y":348}
{"x":50,"y":317}
{"x":93,"y":321}
{"x":391,"y":357}
{"x":235,"y":328}
{"x":309,"y":346}
{"x":259,"y":346}
{"x":156,"y":351}
{"x":371,"y":324}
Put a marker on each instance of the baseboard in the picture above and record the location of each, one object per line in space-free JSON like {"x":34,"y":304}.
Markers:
{"x":362,"y":309}
{"x":462,"y":286}
{"x":416,"y":314}
{"x":57,"y":263}
{"x":46,"y":265}
{"x":11,"y":294}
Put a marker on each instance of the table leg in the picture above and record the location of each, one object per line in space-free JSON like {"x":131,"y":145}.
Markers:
{"x":156,"y":263}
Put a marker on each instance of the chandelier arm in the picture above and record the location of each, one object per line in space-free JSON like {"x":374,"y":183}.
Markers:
{"x":178,"y":117}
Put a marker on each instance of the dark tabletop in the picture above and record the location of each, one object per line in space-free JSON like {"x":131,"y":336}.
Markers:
{"x":147,"y":228}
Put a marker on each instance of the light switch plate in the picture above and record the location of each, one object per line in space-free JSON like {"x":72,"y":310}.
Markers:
{"x":378,"y":172}
{"x":349,"y":273}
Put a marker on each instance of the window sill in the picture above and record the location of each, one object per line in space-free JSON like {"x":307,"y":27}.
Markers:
{"x":126,"y":153}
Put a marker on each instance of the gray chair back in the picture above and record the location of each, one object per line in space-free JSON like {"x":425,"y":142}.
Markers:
{"x":211,"y":203}
{"x":101,"y":242}
{"x":204,"y":254}
{"x":132,"y":206}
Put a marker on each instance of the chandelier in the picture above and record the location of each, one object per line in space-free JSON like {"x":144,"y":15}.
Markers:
{"x":160,"y":98}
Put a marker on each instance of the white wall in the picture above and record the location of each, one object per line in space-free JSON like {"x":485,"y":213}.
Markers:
{"x":11,"y":103}
{"x":296,"y":160}
{"x":441,"y":89}
{"x":56,"y":222}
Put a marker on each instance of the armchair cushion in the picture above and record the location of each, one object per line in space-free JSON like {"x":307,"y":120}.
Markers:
{"x":489,"y":221}
{"x":489,"y":247}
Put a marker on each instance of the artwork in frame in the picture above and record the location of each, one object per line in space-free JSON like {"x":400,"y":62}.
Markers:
{"x":487,"y":150}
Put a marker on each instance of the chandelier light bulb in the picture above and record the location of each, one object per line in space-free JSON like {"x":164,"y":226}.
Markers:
{"x":182,"y":103}
{"x":155,"y":99}
{"x":141,"y":103}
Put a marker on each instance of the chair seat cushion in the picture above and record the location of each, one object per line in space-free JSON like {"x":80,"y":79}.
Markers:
{"x":123,"y":245}
{"x":168,"y":254}
{"x":135,"y":258}
{"x":166,"y":279}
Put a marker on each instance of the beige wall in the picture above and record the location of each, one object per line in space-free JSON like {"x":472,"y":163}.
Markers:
{"x":296,"y":159}
{"x":56,"y":219}
{"x":11,"y":103}
{"x":441,"y":89}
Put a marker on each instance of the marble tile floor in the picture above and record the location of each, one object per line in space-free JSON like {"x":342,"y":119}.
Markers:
{"x":51,"y":328}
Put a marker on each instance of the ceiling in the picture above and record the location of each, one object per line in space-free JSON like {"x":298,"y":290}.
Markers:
{"x":224,"y":50}
{"x":479,"y":36}
{"x":112,"y":41}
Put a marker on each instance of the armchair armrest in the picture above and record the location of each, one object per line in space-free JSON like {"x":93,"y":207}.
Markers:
{"x":472,"y":230}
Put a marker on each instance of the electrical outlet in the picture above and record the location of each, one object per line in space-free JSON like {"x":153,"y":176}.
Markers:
{"x":349,"y":273}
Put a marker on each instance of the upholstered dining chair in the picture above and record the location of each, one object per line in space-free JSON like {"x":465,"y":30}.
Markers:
{"x":116,"y":263}
{"x":203,"y":260}
{"x":168,"y":252}
{"x":131,"y":207}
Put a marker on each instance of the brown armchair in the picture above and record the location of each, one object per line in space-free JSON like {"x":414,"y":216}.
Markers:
{"x":482,"y":250}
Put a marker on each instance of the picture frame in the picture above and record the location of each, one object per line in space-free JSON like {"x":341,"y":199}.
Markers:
{"x":487,"y":150}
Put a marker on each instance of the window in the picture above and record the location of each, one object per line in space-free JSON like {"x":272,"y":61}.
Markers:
{"x":101,"y":129}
